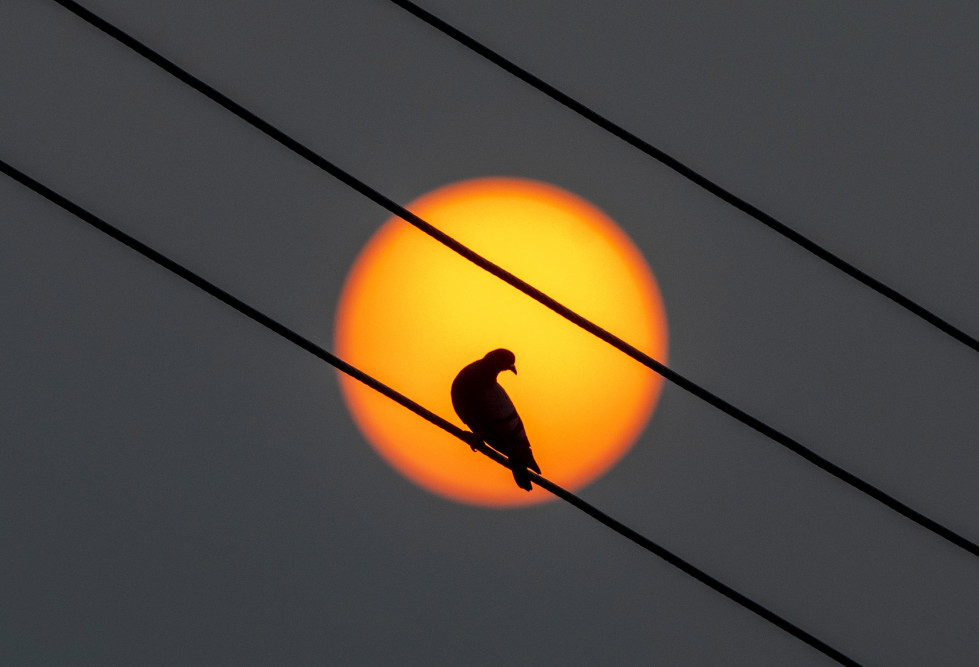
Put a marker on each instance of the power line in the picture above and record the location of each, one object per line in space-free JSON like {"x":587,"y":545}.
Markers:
{"x":690,"y":174}
{"x":422,"y":412}
{"x":562,"y":310}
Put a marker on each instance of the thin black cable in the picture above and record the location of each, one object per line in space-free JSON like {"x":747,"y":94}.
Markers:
{"x":690,"y":174}
{"x":440,"y":236}
{"x":422,"y":412}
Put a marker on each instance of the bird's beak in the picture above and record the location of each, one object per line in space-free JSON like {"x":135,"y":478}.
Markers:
{"x":512,"y":368}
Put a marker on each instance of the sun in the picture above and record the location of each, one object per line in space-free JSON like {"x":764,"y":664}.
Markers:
{"x":412,"y":313}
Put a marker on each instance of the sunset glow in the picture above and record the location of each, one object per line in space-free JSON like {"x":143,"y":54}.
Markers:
{"x":413,"y":313}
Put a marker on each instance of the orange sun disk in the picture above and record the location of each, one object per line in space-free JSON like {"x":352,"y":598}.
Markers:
{"x":413,"y":313}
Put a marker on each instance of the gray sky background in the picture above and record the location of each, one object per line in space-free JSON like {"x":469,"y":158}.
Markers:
{"x":180,"y":486}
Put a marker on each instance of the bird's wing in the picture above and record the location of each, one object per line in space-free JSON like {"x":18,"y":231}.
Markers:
{"x":500,"y":414}
{"x":501,"y":422}
{"x":507,"y":433}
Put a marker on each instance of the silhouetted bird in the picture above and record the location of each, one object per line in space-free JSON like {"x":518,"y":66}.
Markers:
{"x":481,"y":403}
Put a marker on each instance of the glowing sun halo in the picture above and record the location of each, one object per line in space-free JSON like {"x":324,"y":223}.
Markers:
{"x":413,"y":313}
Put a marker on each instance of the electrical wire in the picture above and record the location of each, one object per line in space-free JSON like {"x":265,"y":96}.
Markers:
{"x":419,"y":410}
{"x":348,"y":179}
{"x":690,"y":174}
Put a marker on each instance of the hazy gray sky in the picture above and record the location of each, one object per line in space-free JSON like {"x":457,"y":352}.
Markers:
{"x":179,"y":485}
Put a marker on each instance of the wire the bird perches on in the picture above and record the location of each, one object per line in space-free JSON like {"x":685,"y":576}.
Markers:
{"x":419,"y":410}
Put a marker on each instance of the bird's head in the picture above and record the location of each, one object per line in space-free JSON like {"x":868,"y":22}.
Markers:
{"x":501,"y":360}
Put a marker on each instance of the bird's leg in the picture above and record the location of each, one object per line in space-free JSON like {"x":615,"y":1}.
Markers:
{"x":475,"y":441}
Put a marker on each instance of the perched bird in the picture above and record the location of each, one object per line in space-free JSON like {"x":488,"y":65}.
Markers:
{"x":484,"y":406}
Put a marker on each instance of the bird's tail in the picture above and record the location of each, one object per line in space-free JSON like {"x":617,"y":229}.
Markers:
{"x":519,"y":466}
{"x":521,"y":477}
